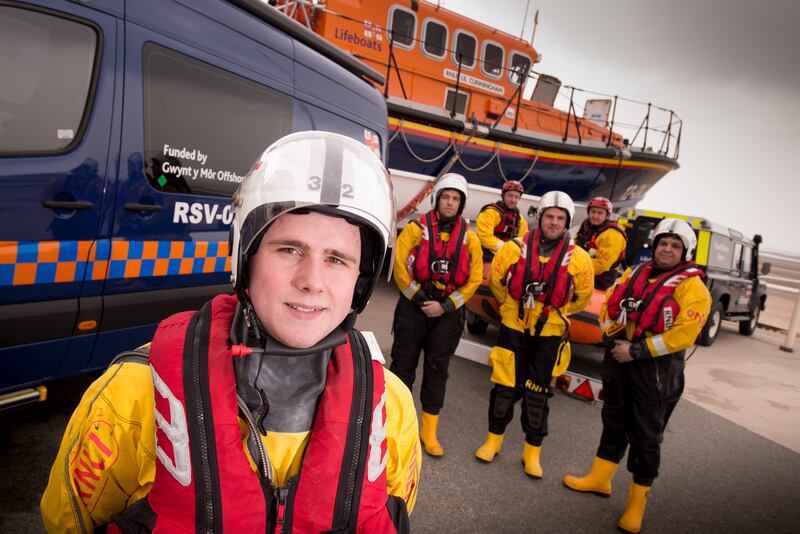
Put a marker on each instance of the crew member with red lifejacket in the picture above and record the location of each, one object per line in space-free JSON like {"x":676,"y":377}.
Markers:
{"x":650,"y":317}
{"x":438,"y":266}
{"x":500,"y":221}
{"x":264,"y":411}
{"x":604,"y":240}
{"x":538,"y":280}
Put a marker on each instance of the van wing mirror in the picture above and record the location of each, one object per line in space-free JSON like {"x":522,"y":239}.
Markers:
{"x":766,"y":268}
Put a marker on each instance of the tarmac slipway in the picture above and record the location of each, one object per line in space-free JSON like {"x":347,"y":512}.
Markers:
{"x":730,"y":462}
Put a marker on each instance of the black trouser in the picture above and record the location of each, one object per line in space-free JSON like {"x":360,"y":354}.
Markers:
{"x":639,"y":398}
{"x":438,"y":337}
{"x":533,"y":370}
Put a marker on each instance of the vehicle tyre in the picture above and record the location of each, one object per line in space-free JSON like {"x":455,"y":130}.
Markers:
{"x":712,"y":327}
{"x":476,"y":325}
{"x":746,"y":328}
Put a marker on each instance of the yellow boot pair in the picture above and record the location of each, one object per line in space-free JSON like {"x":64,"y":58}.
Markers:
{"x":427,"y":435}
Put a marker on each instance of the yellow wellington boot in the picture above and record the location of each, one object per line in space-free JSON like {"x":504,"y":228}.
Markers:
{"x":490,"y":448}
{"x":427,"y":435}
{"x":530,"y":460}
{"x":597,"y":481}
{"x":631,"y":520}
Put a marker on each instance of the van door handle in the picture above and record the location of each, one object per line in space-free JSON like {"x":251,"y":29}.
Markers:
{"x":67,"y":204}
{"x":135,"y":206}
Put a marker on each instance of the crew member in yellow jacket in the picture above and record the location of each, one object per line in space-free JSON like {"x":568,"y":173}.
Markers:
{"x":604,"y":240}
{"x":539,"y":280}
{"x":437,"y":268}
{"x":500,"y":221}
{"x":264,"y":407}
{"x":650,"y":317}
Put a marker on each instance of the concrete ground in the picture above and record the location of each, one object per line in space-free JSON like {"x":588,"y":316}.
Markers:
{"x":731,"y":456}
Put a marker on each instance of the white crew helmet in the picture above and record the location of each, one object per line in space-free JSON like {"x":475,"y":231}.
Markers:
{"x":680,"y":229}
{"x":322,"y":172}
{"x":451,"y":180}
{"x":555,"y":199}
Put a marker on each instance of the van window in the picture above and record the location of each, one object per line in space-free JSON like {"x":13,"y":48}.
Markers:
{"x":465,"y":45}
{"x":518,"y":65}
{"x":737,"y":257}
{"x":720,"y":254}
{"x":747,"y":259}
{"x":492,"y":59}
{"x":203,"y":126}
{"x":435,"y":39}
{"x":46,"y":83}
{"x":403,"y":27}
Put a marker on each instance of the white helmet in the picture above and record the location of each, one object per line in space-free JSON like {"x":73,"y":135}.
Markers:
{"x":680,"y":229}
{"x":451,"y":180}
{"x":555,"y":199}
{"x":324,"y":172}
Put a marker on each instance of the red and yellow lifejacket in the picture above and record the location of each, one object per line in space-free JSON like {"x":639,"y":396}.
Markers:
{"x":528,"y":272}
{"x":508,"y":227}
{"x":203,"y":479}
{"x":648,"y":301}
{"x":587,"y":236}
{"x":447,"y":263}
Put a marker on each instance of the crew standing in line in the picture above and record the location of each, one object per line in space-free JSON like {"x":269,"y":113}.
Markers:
{"x":649,"y":319}
{"x":266,"y":409}
{"x":604,"y":240}
{"x":438,"y":267}
{"x":500,"y":221}
{"x":538,"y":280}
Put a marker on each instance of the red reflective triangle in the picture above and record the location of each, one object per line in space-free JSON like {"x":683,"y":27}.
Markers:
{"x":584,"y":390}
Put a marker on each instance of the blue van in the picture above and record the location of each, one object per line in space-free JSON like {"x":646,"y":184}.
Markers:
{"x":125,"y":126}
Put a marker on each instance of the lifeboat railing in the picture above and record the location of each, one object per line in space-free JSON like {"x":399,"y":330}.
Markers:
{"x":629,"y":125}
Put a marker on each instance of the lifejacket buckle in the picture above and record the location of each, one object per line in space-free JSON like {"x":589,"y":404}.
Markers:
{"x":630,"y":304}
{"x":536,"y":288}
{"x":440,"y":266}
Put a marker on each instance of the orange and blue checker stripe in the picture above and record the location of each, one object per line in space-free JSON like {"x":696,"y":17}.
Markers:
{"x":47,"y":262}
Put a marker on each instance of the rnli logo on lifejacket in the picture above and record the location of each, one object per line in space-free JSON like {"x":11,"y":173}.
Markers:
{"x":378,"y":457}
{"x":97,"y":452}
{"x":172,"y":434}
{"x":668,"y":318}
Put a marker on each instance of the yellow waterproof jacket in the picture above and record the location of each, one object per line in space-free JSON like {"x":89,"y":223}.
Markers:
{"x":580,"y":267}
{"x":610,"y":245}
{"x":107,"y":457}
{"x":410,"y":237}
{"x":695,"y":302}
{"x":485,"y":224}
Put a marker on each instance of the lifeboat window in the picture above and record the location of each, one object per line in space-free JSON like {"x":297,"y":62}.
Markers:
{"x":434,"y":39}
{"x":517,"y":66}
{"x":465,"y":46}
{"x":460,"y":102}
{"x":492,"y":59}
{"x":403,"y":27}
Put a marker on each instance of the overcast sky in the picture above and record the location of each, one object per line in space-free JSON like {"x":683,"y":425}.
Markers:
{"x":729,"y":68}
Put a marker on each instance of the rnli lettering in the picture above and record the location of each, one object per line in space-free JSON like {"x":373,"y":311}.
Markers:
{"x":533,"y":387}
{"x":98,"y":451}
{"x":201,"y":212}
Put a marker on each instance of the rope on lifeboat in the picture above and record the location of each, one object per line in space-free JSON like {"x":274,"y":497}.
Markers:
{"x":417,"y":156}
{"x":486,"y":164}
{"x":503,"y":175}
